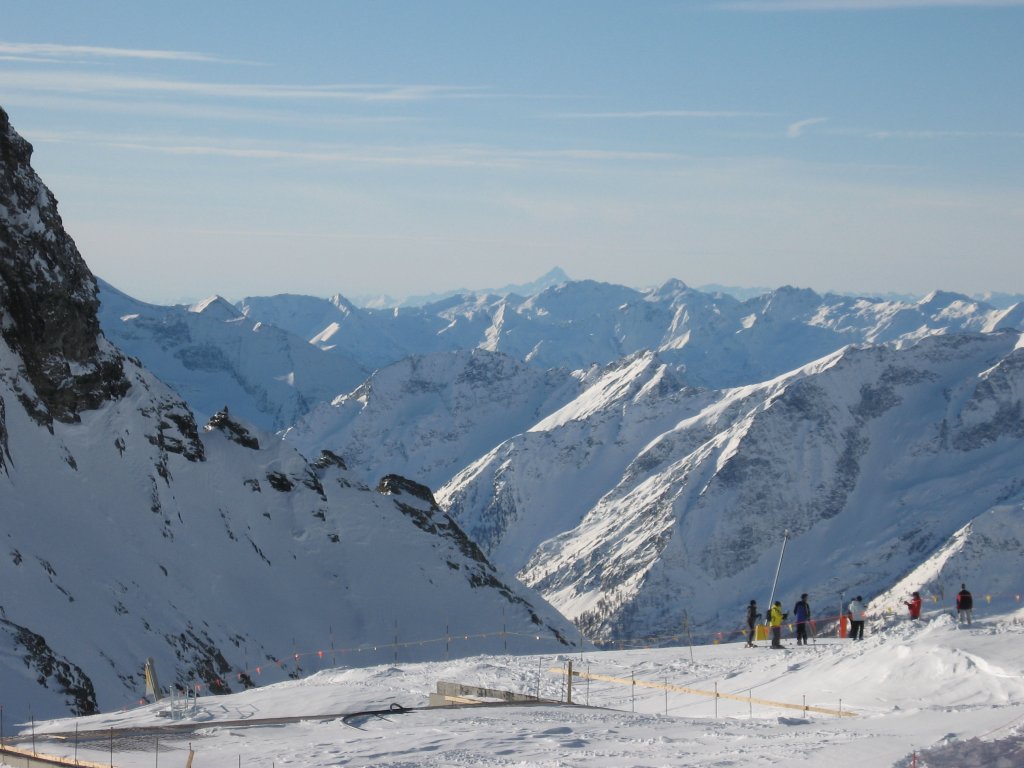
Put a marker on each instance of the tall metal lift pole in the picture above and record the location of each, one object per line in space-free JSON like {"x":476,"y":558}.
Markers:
{"x":775,"y":583}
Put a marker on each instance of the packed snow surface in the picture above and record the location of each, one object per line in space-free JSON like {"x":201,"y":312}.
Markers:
{"x":952,"y":694}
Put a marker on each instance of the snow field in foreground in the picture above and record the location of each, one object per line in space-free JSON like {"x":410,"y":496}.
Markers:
{"x":930,"y":687}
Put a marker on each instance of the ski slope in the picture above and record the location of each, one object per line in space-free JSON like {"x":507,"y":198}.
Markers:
{"x":952,"y":694}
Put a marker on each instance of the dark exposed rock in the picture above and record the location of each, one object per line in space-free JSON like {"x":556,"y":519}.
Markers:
{"x":311,"y":481}
{"x":279,"y":481}
{"x":329,"y":459}
{"x":176,"y":429}
{"x":52,"y":670}
{"x":5,"y":453}
{"x":202,"y":658}
{"x":396,"y":484}
{"x":48,"y":298}
{"x":234,"y":431}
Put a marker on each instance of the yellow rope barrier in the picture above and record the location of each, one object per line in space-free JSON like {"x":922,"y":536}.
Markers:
{"x":698,"y":692}
{"x":53,"y":759}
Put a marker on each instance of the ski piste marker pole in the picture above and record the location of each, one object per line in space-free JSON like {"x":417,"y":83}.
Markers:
{"x":775,"y":583}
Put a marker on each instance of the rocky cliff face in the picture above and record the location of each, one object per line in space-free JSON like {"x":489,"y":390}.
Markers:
{"x":129,"y":533}
{"x":48,"y":297}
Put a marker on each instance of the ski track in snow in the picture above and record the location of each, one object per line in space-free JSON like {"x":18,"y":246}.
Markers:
{"x":954,"y":695}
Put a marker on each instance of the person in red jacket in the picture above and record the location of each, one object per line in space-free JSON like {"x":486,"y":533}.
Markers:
{"x":915,"y":606}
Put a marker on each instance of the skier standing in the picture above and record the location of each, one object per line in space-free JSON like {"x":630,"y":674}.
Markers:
{"x":752,"y":617}
{"x":857,"y":616}
{"x":775,"y":618}
{"x":964,"y":604}
{"x":914,"y":605}
{"x":802,"y":614}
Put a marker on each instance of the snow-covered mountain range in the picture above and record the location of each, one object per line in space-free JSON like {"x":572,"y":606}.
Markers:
{"x":638,"y":502}
{"x":634,"y":455}
{"x":634,"y":488}
{"x":718,"y":340}
{"x":254,"y":357}
{"x":643,"y":499}
{"x":212,"y":355}
{"x":130,"y":532}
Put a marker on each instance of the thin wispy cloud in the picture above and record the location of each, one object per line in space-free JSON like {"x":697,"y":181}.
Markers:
{"x":796,"y":130}
{"x":858,"y":5}
{"x":436,"y":156}
{"x":697,"y":114}
{"x":66,"y":81}
{"x":422,"y":157}
{"x":57,"y":52}
{"x":946,"y":135}
{"x":192,"y":110}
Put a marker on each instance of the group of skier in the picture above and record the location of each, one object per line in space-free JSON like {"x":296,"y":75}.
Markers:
{"x":964,"y":605}
{"x":856,"y":612}
{"x":801,"y":614}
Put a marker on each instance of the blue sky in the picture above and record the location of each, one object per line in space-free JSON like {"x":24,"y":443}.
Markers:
{"x":250,"y":148}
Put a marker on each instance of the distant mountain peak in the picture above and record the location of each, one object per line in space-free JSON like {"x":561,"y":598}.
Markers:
{"x":554,"y":275}
{"x":216,"y":307}
{"x":938,"y":298}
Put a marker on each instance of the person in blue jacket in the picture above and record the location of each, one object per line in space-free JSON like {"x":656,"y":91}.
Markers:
{"x":802,"y":614}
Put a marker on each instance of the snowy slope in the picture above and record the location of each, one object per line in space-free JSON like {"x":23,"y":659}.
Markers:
{"x":427,"y":416}
{"x":872,"y":458}
{"x":988,"y":551}
{"x":540,"y":483}
{"x":130,"y":532}
{"x":212,"y":355}
{"x":929,"y":691}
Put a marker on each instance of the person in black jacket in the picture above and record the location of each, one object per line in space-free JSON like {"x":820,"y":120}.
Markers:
{"x":752,"y":617}
{"x":964,"y":604}
{"x":802,"y":614}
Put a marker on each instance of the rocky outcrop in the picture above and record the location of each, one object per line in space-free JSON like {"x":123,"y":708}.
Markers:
{"x":478,"y":570}
{"x":398,"y":485}
{"x":52,"y":670}
{"x":5,"y":453}
{"x":48,"y":297}
{"x":329,"y":459}
{"x":234,"y":431}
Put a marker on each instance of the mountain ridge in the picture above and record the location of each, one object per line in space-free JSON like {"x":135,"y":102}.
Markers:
{"x":130,"y":532}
